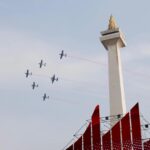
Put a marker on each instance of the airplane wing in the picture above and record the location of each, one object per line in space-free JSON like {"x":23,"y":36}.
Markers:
{"x":27,"y":74}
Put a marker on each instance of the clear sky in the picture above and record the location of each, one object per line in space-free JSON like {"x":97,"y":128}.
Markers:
{"x":31,"y":30}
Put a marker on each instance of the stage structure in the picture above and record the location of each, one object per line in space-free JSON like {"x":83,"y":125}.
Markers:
{"x":126,"y":134}
{"x":125,"y":128}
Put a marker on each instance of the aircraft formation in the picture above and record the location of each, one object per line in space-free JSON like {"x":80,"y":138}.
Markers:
{"x":53,"y":78}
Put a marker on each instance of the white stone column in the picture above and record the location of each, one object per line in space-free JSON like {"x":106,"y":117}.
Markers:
{"x":113,"y":40}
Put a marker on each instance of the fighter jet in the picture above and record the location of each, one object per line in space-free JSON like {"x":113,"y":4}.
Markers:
{"x":45,"y":97}
{"x":34,"y":85}
{"x":41,"y":63}
{"x":28,"y":73}
{"x":53,"y":78}
{"x":62,"y":54}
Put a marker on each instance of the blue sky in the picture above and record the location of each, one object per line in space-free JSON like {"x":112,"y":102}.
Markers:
{"x":39,"y":29}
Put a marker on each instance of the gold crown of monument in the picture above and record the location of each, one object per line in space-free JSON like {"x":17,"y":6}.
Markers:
{"x":112,"y":23}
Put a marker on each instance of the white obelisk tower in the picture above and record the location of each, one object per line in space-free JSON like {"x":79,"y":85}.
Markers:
{"x":113,"y":40}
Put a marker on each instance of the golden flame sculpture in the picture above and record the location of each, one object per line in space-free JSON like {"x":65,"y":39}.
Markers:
{"x":112,"y":23}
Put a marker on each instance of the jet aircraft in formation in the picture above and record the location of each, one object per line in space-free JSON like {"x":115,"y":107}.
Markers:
{"x":45,"y":97}
{"x":53,"y":78}
{"x":34,"y":85}
{"x":41,"y":63}
{"x":62,"y":54}
{"x":28,"y":73}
